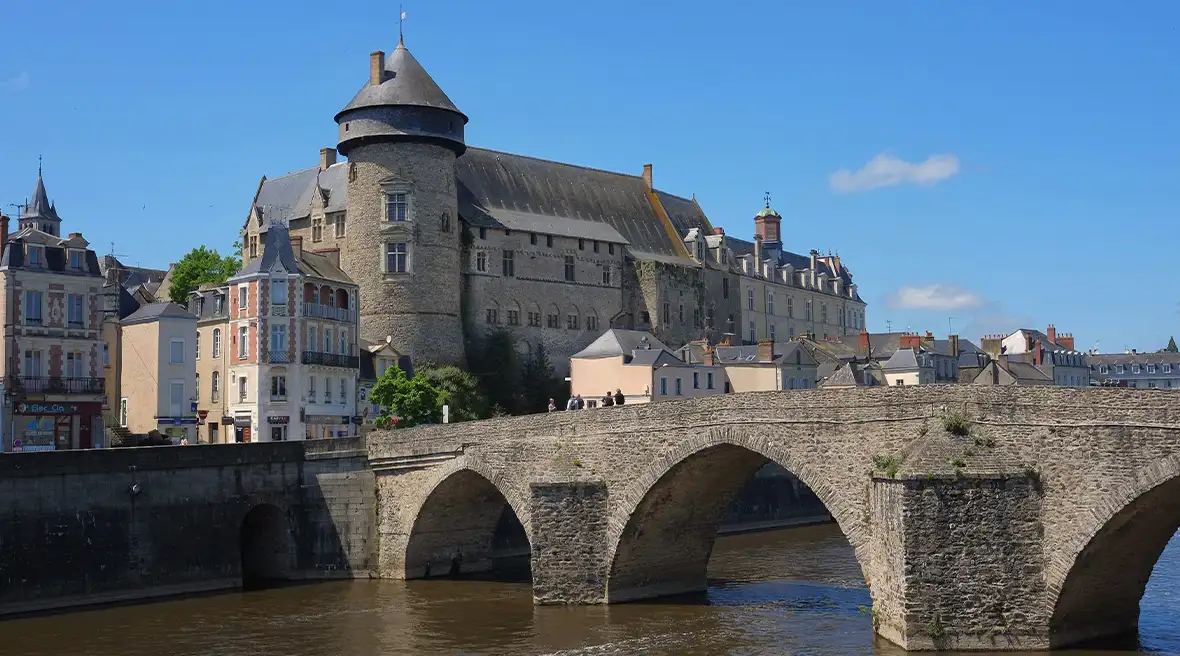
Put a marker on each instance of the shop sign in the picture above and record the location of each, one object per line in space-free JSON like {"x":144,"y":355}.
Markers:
{"x":358,"y":420}
{"x":278,"y":420}
{"x":228,"y":421}
{"x":242,"y":421}
{"x":177,"y":421}
{"x":47,"y":409}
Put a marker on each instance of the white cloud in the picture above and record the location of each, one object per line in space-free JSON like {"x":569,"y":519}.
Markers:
{"x":16,"y":83}
{"x":885,"y":170}
{"x":934,"y":297}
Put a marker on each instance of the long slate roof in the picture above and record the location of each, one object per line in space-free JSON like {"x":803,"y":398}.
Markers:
{"x":154,"y":311}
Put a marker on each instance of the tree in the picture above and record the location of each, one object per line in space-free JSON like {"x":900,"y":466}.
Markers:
{"x":1171,"y":347}
{"x":407,"y":402}
{"x":493,"y":359}
{"x":540,"y":383}
{"x":200,"y":266}
{"x":466,"y":399}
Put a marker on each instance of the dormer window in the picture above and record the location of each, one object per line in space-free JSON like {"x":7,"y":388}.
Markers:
{"x":76,"y":259}
{"x":397,"y":206}
{"x":35,"y":255}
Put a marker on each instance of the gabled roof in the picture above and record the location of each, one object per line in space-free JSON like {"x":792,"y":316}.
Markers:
{"x":156,"y":311}
{"x":288,"y":197}
{"x":848,"y":375}
{"x":616,"y":342}
{"x":906,"y":358}
{"x":653,"y":358}
{"x":407,"y":84}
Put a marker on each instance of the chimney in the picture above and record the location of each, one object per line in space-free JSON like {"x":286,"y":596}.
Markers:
{"x":647,"y":177}
{"x":3,"y":232}
{"x":864,"y":339}
{"x":707,"y":356}
{"x":75,"y":235}
{"x":765,"y":350}
{"x":954,"y":344}
{"x":297,"y":246}
{"x":991,"y":345}
{"x":333,"y":254}
{"x":814,"y":257}
{"x":327,"y":158}
{"x":1052,"y":333}
{"x":927,"y":342}
{"x":1037,"y":351}
{"x":719,"y":230}
{"x":376,"y":67}
{"x":757,"y":255}
{"x":1065,"y":340}
{"x":909,"y":340}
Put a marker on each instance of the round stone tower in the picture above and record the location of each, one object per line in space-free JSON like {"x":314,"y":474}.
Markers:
{"x":401,"y":135}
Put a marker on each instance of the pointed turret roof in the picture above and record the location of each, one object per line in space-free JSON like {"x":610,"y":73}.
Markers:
{"x":406,"y":84}
{"x":39,"y":207}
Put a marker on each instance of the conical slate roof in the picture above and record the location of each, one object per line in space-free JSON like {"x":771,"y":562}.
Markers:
{"x":39,"y":206}
{"x":406,"y":84}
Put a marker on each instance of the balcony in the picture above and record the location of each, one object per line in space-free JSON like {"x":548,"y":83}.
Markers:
{"x":317,"y":311}
{"x":331,"y":359}
{"x":277,"y":357}
{"x":278,"y":310}
{"x":57,"y":385}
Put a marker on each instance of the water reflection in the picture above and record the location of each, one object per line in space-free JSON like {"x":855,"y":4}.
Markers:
{"x":786,"y":592}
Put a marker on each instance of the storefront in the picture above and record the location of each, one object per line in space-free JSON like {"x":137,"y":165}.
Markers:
{"x":277,"y":427}
{"x":242,"y":423}
{"x":318,"y":427}
{"x":56,"y":426}
{"x":178,"y":429}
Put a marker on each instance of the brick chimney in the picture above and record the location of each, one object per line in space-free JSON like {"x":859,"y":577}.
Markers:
{"x":757,"y":255}
{"x":707,"y":356}
{"x":1065,"y":340}
{"x":3,"y":232}
{"x":765,"y":350}
{"x":376,"y":67}
{"x":910,"y":340}
{"x":991,"y":344}
{"x":297,"y":246}
{"x":719,"y":230}
{"x":927,"y":341}
{"x":1052,"y":333}
{"x":864,"y":339}
{"x":647,"y":177}
{"x":1036,"y":351}
{"x":954,"y":344}
{"x":327,"y":158}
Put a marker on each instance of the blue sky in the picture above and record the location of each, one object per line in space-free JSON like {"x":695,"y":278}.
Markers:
{"x":1008,"y":164}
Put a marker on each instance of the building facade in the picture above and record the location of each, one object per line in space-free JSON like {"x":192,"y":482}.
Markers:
{"x":158,"y":372}
{"x":1133,"y":369}
{"x":642,"y":368}
{"x":288,"y":343}
{"x":52,"y":362}
{"x":446,"y":241}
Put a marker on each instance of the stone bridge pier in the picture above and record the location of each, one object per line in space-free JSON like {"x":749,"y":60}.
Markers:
{"x":981,"y":518}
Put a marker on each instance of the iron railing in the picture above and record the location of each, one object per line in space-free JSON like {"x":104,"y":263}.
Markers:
{"x":277,"y":357}
{"x":57,"y":385}
{"x":318,"y":311}
{"x":331,"y":359}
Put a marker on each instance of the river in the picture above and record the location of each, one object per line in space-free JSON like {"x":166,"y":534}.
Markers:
{"x":795,"y":591}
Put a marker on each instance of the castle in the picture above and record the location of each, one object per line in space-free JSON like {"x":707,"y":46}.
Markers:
{"x":447,"y":241}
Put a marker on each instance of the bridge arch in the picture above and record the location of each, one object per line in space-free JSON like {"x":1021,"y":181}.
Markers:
{"x":266,"y":546}
{"x":455,"y":527}
{"x":663,"y":528}
{"x":1096,"y":581}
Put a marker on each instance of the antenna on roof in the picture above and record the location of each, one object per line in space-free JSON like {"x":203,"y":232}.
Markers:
{"x":401,"y":18}
{"x":888,"y":326}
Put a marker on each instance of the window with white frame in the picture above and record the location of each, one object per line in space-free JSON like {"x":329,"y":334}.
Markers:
{"x":750,"y":298}
{"x":106,"y":355}
{"x":278,"y":388}
{"x":243,"y":342}
{"x":215,"y":391}
{"x":35,"y":255}
{"x":397,"y":206}
{"x":75,"y":314}
{"x":33,"y":364}
{"x":344,"y":391}
{"x":770,"y":303}
{"x":217,"y":342}
{"x":197,"y":347}
{"x":340,"y":224}
{"x":1167,"y":368}
{"x":327,"y":389}
{"x":278,"y":339}
{"x":242,"y":302}
{"x":396,"y":257}
{"x":1134,"y":368}
{"x":33,"y":302}
{"x":197,"y":382}
{"x":790,"y":308}
{"x":481,"y":262}
{"x":176,"y":350}
{"x":242,"y":388}
{"x":327,"y":340}
{"x":606,"y":274}
{"x":508,"y":265}
{"x":278,"y":292}
{"x":77,"y":258}
{"x":1151,"y":368}
{"x":663,"y":386}
{"x":1120,"y":369}
{"x":311,"y":389}
{"x":75,"y":365}
{"x":176,"y":398}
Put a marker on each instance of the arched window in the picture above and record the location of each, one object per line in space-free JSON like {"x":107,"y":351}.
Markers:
{"x":216,"y":390}
{"x":216,"y":344}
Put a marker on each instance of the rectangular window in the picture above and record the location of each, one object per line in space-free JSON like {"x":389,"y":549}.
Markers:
{"x":605,"y":274}
{"x":311,"y":389}
{"x":217,"y":342}
{"x":1167,"y":369}
{"x":327,"y":340}
{"x":663,"y":386}
{"x":772,"y":333}
{"x":680,"y":316}
{"x":750,"y":298}
{"x":790,"y":308}
{"x":610,"y":249}
{"x":596,"y":246}
{"x":254,"y":245}
{"x":667,"y":313}
{"x":483,"y":233}
{"x":696,"y":380}
{"x":327,"y":389}
{"x":823,"y":313}
{"x":243,"y":342}
{"x":242,"y":388}
{"x":278,"y":292}
{"x":197,"y":347}
{"x":492,"y":316}
{"x":278,"y":433}
{"x":33,"y":308}
{"x":33,"y":364}
{"x":75,"y":365}
{"x":1120,"y":369}
{"x":645,"y":316}
{"x":725,"y":288}
{"x":770,"y":303}
{"x":36,"y":258}
{"x":709,"y":380}
{"x":679,"y":392}
{"x":106,"y":355}
{"x":753,"y":332}
{"x":74,"y":307}
{"x":508,"y":265}
{"x":278,"y":388}
{"x":1151,"y":368}
{"x":396,"y":206}
{"x":581,"y":244}
{"x":176,"y":351}
{"x":533,"y":238}
{"x":549,"y":241}
{"x":535,"y":319}
{"x":343,"y":342}
{"x":395,"y":257}
{"x":344,"y":391}
{"x":176,"y":397}
{"x":591,"y":322}
{"x":569,"y":268}
{"x":1134,"y":368}
{"x":696,"y":317}
{"x":552,"y":321}
{"x":76,"y":258}
{"x":571,"y":321}
{"x":317,"y":229}
{"x":242,"y":302}
{"x":340,"y":224}
{"x":481,"y":262}
{"x":513,"y":317}
{"x":278,"y":339}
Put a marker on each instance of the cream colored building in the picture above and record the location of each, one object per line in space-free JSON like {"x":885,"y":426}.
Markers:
{"x":640,"y":366}
{"x":158,"y":372}
{"x":210,"y":303}
{"x":760,"y":368}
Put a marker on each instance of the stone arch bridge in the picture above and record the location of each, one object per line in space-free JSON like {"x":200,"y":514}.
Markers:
{"x":1034,"y":523}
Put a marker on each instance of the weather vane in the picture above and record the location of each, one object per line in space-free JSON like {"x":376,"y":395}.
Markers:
{"x":400,"y":19}
{"x":767,"y":197}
